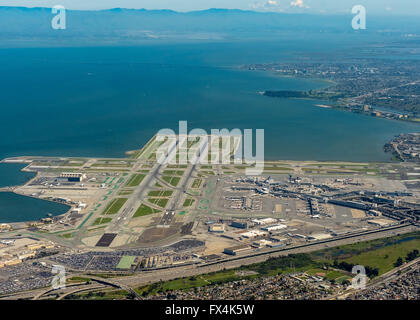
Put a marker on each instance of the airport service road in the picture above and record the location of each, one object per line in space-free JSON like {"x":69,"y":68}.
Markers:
{"x":172,"y":273}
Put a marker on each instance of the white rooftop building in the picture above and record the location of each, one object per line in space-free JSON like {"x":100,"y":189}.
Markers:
{"x":264,"y":221}
{"x":274,"y":227}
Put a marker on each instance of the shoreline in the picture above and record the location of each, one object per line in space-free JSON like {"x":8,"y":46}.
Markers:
{"x":375,"y":113}
{"x":40,"y":199}
{"x":268,"y":163}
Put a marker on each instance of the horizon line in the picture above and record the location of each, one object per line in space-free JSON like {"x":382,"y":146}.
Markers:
{"x":215,"y":9}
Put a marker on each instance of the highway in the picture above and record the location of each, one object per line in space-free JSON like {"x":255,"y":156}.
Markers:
{"x":95,"y":284}
{"x":147,"y":277}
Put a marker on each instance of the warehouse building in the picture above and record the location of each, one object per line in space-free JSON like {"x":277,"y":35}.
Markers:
{"x":254,"y":234}
{"x":275,"y":227}
{"x":239,"y":225}
{"x":5,"y":227}
{"x":236,"y":249}
{"x":319,"y":236}
{"x":261,"y":243}
{"x":264,"y":221}
{"x":73,"y":176}
{"x":278,"y":239}
{"x":217,"y":227}
{"x":380,"y":222}
{"x":375,"y":213}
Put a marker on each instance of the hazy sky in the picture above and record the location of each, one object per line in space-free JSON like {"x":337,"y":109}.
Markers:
{"x":411,"y":7}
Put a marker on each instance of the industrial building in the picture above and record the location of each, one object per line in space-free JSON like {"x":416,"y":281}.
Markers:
{"x":217,"y":227}
{"x":236,"y":249}
{"x":261,"y":243}
{"x":319,"y":236}
{"x":5,"y":227}
{"x":76,"y":210}
{"x":264,"y":221}
{"x":349,"y":204}
{"x":239,"y":225}
{"x":275,"y":227}
{"x":73,"y":176}
{"x":380,"y":222}
{"x":375,"y":213}
{"x":15,"y":251}
{"x":254,"y":234}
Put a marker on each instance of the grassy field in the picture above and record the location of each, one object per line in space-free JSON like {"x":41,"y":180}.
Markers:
{"x":77,"y":279}
{"x":385,"y":258}
{"x":380,"y":253}
{"x":190,"y":282}
{"x":101,"y":221}
{"x":276,"y":168}
{"x":160,"y":193}
{"x":106,"y":170}
{"x":173,"y":181}
{"x":102,"y":295}
{"x":112,"y":165}
{"x":144,"y":210}
{"x":115,"y":206}
{"x":66,"y":235}
{"x":135,"y":180}
{"x":125,"y":192}
{"x":209,"y":173}
{"x":73,"y":163}
{"x":173,"y":172}
{"x":126,"y":262}
{"x":188,"y":202}
{"x":161,"y":202}
{"x":196,"y":183}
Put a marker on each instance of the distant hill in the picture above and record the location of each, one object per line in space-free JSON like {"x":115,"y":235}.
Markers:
{"x":19,"y":24}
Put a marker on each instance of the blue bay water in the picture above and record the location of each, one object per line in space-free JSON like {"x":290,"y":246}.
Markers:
{"x":104,"y":101}
{"x":18,"y":208}
{"x":11,"y":174}
{"x":101,"y":102}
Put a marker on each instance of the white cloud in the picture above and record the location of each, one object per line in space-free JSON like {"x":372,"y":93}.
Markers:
{"x":279,"y":5}
{"x":267,"y":5}
{"x":298,"y":3}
